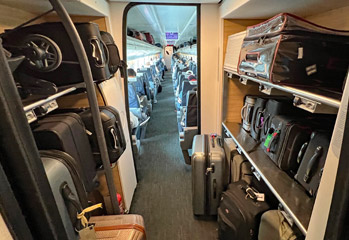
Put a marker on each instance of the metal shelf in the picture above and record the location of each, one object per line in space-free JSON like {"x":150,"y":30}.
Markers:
{"x":309,"y":101}
{"x":289,"y":193}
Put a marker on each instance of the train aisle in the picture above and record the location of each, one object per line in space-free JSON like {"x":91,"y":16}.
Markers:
{"x":163,"y":195}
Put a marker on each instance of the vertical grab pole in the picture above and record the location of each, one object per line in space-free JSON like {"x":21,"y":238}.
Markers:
{"x":91,"y":95}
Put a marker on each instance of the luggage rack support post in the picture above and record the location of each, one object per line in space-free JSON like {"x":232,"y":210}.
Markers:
{"x":91,"y":95}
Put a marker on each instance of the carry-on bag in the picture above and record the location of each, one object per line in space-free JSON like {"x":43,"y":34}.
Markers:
{"x":257,"y":117}
{"x":66,"y":132}
{"x":274,"y":226}
{"x":68,"y":190}
{"x":312,"y":157}
{"x":58,"y":61}
{"x":286,"y":135}
{"x":239,"y":212}
{"x":119,"y":227}
{"x":113,"y":133}
{"x":208,"y":168}
{"x":289,"y":50}
{"x":247,"y":112}
{"x":111,"y":52}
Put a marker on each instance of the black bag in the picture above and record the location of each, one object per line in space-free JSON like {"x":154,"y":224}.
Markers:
{"x":284,"y":140}
{"x":159,"y":89}
{"x":289,"y":50}
{"x":112,"y":52}
{"x":66,"y":132}
{"x":312,"y":157}
{"x":68,"y":71}
{"x":256,"y":118}
{"x":238,"y":214}
{"x":113,"y":133}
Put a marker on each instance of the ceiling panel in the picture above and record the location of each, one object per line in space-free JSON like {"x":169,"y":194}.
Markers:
{"x":159,"y":19}
{"x":170,"y":1}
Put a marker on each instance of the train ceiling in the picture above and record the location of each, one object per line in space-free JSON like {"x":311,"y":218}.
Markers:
{"x":162,"y":19}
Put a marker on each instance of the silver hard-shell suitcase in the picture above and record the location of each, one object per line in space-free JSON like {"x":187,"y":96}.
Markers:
{"x":208,"y":168}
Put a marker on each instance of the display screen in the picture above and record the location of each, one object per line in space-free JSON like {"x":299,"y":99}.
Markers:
{"x":172,"y":35}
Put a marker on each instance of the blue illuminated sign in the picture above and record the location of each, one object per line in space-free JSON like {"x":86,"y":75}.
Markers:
{"x":172,"y":35}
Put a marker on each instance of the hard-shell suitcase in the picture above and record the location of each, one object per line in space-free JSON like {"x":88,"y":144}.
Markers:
{"x":239,"y":168}
{"x":239,"y":214}
{"x":285,"y":138}
{"x":112,"y":52}
{"x":113,"y":132}
{"x":90,"y":37}
{"x":274,"y":226}
{"x":64,"y":178}
{"x":208,"y":160}
{"x":119,"y":227}
{"x":66,"y":132}
{"x":289,"y":50}
{"x":312,"y":157}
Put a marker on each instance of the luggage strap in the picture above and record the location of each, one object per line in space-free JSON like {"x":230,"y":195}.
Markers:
{"x":121,"y":227}
{"x":81,"y":216}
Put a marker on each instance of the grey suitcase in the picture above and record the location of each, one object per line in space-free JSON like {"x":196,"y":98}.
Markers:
{"x":64,"y":178}
{"x":274,"y":226}
{"x":208,"y":168}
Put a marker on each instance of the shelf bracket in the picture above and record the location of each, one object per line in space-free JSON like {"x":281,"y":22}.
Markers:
{"x":243,"y":80}
{"x":265,"y":89}
{"x":312,"y":106}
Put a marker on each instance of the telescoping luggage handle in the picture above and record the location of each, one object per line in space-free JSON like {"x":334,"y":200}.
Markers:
{"x":314,"y":159}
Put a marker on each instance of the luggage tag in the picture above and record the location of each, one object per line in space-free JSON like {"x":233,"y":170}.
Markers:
{"x":88,"y":233}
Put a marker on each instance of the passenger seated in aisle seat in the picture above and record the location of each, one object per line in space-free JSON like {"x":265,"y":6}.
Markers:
{"x":133,"y":98}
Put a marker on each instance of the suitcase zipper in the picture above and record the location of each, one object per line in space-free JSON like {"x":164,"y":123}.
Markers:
{"x":206,"y":176}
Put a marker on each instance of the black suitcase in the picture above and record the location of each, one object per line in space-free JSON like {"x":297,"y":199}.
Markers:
{"x":66,"y":132}
{"x":68,"y":71}
{"x":113,"y":132}
{"x":272,"y":108}
{"x":111,"y":52}
{"x":238,"y":214}
{"x":256,"y":118}
{"x":64,"y":176}
{"x":289,"y":50}
{"x":312,"y":157}
{"x":286,"y":135}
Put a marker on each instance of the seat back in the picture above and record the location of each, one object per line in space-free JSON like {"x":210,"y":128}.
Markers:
{"x":186,"y":87}
{"x":191,"y":115}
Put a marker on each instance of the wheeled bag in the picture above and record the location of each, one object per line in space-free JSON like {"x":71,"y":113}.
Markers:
{"x":113,"y":133}
{"x":257,"y":116}
{"x":64,"y":178}
{"x":111,"y":52}
{"x":208,"y":168}
{"x":289,"y":50}
{"x":274,"y":226}
{"x":285,"y":138}
{"x":239,"y":213}
{"x":66,"y":132}
{"x":60,"y":63}
{"x":247,"y":112}
{"x":312,"y":158}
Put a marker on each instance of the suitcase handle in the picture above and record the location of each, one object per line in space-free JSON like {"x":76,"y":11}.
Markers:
{"x":243,"y":111}
{"x":97,"y":52}
{"x":252,"y":57}
{"x":317,"y":153}
{"x":115,"y":138}
{"x":301,"y":152}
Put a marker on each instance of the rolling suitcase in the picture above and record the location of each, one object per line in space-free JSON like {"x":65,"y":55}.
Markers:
{"x":286,"y":135}
{"x":274,"y":226}
{"x":113,"y":132}
{"x":312,"y":157}
{"x":61,"y":58}
{"x":208,"y":168}
{"x":239,"y":213}
{"x":289,"y":50}
{"x":64,"y":178}
{"x":247,"y":112}
{"x":257,"y":116}
{"x":111,"y":52}
{"x":119,"y":227}
{"x":66,"y":132}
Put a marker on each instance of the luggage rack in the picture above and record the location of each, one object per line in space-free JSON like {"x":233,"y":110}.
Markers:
{"x":35,"y":108}
{"x":289,"y":193}
{"x":311,"y":102}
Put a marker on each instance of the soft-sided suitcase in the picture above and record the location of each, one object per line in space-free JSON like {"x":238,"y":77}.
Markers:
{"x":65,"y":181}
{"x":239,"y":168}
{"x":112,"y":52}
{"x":66,"y":132}
{"x":113,"y":133}
{"x":289,"y":50}
{"x":312,"y":157}
{"x":119,"y":227}
{"x":149,"y":38}
{"x":208,"y":160}
{"x":247,"y":112}
{"x":274,"y":226}
{"x":257,"y":116}
{"x":239,"y":214}
{"x":286,"y":135}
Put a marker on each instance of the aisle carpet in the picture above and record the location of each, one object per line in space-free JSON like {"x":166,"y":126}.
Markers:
{"x":163,"y":195}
